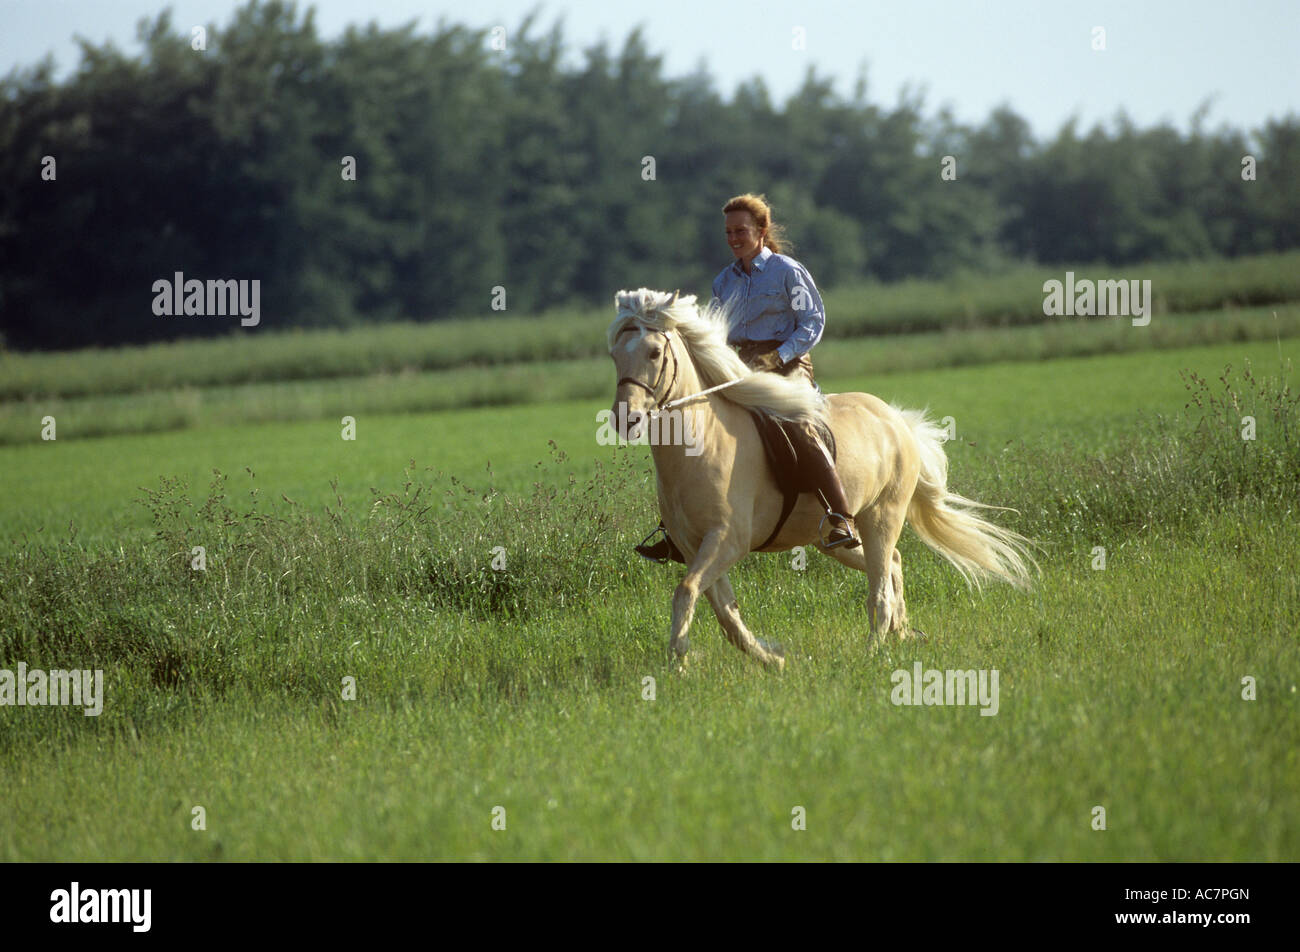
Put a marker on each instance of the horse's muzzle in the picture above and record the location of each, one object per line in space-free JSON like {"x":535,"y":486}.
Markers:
{"x":627,"y":422}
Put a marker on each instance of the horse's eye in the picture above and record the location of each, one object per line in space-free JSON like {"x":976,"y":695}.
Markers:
{"x":654,"y":354}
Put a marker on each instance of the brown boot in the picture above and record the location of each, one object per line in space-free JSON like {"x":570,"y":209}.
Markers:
{"x":831,"y":492}
{"x":663,"y":550}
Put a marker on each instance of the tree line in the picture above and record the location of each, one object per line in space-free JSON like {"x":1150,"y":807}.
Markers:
{"x":390,"y":174}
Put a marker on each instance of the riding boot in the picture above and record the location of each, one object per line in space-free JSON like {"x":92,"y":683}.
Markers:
{"x":831,"y":492}
{"x":661,"y":551}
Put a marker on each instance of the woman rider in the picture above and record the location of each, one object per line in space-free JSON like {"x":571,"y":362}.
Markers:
{"x":777,"y":317}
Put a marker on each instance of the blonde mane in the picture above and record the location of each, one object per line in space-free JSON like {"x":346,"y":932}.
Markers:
{"x":704,"y":332}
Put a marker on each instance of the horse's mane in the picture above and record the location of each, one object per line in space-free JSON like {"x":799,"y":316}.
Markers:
{"x":704,"y":331}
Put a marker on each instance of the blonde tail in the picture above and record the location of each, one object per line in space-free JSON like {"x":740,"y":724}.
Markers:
{"x":947,"y":522}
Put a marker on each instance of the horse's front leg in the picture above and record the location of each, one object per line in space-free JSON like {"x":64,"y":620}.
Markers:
{"x":718,"y":552}
{"x":723,"y":599}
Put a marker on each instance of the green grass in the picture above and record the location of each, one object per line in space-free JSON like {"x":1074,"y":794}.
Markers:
{"x":522,"y":689}
{"x":1016,"y":297}
{"x":1118,"y":688}
{"x":589,"y":378}
{"x":95,"y":483}
{"x":271,"y":356}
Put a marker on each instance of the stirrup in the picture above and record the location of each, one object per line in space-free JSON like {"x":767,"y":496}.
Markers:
{"x":851,"y":540}
{"x":645,"y":547}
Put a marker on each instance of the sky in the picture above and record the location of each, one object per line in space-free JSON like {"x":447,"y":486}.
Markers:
{"x":1162,"y":58}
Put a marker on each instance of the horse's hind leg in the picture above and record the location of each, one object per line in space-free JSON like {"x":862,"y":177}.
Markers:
{"x":723,"y":599}
{"x":899,"y":621}
{"x":876,"y":566}
{"x":879,"y":559}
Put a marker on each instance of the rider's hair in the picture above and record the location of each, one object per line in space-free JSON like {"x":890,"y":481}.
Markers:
{"x":773,"y":234}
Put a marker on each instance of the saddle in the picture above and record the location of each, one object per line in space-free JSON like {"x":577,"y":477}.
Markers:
{"x":785,"y":447}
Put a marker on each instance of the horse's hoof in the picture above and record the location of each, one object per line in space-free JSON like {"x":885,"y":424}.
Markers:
{"x":919,"y":635}
{"x":775,"y":655}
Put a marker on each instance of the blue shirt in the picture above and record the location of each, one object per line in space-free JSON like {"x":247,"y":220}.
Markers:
{"x":778,"y":301}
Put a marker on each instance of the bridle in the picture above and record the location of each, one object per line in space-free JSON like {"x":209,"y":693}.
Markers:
{"x":663,"y":369}
{"x":661,"y":402}
{"x":653,"y":391}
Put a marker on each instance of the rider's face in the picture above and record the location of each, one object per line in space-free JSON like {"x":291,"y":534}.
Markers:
{"x":743,"y":235}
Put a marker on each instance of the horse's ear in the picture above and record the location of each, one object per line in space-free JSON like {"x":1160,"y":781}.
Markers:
{"x":676,"y":295}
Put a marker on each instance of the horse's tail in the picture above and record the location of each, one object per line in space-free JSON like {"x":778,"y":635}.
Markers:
{"x":947,"y":522}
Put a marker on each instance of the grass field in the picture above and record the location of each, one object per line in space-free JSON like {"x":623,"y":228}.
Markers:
{"x":523,"y":689}
{"x":176,"y":408}
{"x":495,"y":339}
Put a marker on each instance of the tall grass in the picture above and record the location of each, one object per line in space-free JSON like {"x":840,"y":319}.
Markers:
{"x":1164,"y":471}
{"x":266,"y":355}
{"x":1016,"y":297}
{"x":187,"y":407}
{"x":284,"y":587}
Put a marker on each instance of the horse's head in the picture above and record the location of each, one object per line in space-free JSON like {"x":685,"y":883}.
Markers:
{"x":647,"y":365}
{"x":645,"y":354}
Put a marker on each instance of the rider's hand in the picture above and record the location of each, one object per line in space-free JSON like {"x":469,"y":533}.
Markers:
{"x":770,"y":361}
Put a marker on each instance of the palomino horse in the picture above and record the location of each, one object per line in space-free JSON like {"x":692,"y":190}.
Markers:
{"x":719,"y":501}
